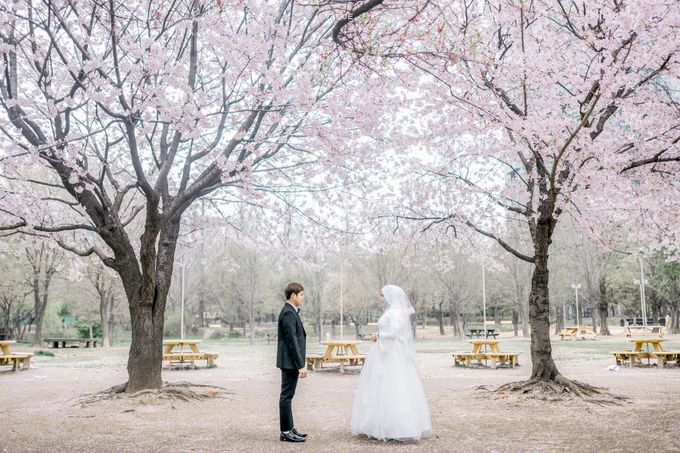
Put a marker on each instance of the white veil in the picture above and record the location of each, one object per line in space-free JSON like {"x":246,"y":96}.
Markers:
{"x":396,"y":299}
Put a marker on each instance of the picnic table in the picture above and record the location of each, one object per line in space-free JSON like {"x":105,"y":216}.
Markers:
{"x":55,"y":342}
{"x":479,"y":333}
{"x":641,"y":350}
{"x":574,"y":332}
{"x":486,"y":350}
{"x":344,"y":352}
{"x":187,"y":352}
{"x":17,"y":359}
{"x":644,"y":330}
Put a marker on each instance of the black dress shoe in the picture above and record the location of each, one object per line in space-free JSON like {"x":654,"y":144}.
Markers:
{"x":290,"y":436}
{"x":295,"y":431}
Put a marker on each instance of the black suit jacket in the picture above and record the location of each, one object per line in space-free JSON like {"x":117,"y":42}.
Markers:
{"x":292,"y":339}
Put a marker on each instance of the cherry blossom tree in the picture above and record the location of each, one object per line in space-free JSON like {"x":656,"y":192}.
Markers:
{"x":529,"y":109}
{"x":128,"y":112}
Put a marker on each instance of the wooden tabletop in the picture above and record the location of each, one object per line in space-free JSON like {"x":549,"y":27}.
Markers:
{"x":341,"y":342}
{"x":50,"y":339}
{"x":166,"y":342}
{"x":484,"y":341}
{"x":8,"y":342}
{"x":647,"y":340}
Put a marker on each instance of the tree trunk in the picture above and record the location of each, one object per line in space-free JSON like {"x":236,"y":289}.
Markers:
{"x":675,"y":319}
{"x":104,"y":316}
{"x":496,"y":319}
{"x":201,"y":306}
{"x":145,"y":357}
{"x":319,"y":320}
{"x":357,"y":326}
{"x":524,"y":316}
{"x":465,"y":323}
{"x":515,"y":322}
{"x":603,"y":306}
{"x":543,"y":366}
{"x":559,"y":318}
{"x":113,"y":332}
{"x":455,"y":320}
{"x":251,"y":318}
{"x":441,"y":319}
{"x":147,"y":294}
{"x":40,"y":303}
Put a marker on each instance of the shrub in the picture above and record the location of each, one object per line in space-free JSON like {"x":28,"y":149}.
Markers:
{"x":217,"y":335}
{"x":83,"y":328}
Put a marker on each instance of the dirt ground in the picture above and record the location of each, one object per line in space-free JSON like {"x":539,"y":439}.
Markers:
{"x":41,"y":410}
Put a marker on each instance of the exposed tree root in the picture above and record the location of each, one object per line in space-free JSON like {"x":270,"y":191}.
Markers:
{"x":175,"y":391}
{"x":559,"y":389}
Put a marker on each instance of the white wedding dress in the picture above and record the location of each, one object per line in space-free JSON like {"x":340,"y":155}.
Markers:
{"x":390,"y":402}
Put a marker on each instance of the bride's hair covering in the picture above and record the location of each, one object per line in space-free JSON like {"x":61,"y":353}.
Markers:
{"x":396,"y":298}
{"x":398,"y":313}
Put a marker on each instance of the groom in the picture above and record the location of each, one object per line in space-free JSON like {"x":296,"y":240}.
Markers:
{"x":290,"y":358}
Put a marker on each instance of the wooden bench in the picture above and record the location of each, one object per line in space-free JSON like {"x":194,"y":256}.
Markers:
{"x":18,"y":359}
{"x":210,"y":358}
{"x":497,"y":358}
{"x":181,"y":358}
{"x":500,"y":358}
{"x":56,"y":341}
{"x":316,"y":361}
{"x":581,"y":332}
{"x":642,"y":330}
{"x":463,"y":358}
{"x":627,"y":357}
{"x":663,"y":357}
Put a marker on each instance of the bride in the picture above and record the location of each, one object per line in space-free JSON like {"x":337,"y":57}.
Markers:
{"x":390,"y":402}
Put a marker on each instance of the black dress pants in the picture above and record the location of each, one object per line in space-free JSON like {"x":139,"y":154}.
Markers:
{"x":289,"y":380}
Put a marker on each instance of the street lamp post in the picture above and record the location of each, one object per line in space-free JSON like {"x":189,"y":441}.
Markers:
{"x":342,"y":320}
{"x":181,"y":317}
{"x":576,"y":287}
{"x":484,"y":298}
{"x":643,"y":298}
